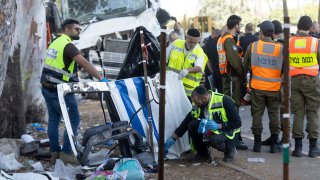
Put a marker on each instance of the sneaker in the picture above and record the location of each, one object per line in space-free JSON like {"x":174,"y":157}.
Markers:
{"x":201,"y":158}
{"x":229,"y":156}
{"x":69,"y":158}
{"x":54,"y":157}
{"x":228,"y":159}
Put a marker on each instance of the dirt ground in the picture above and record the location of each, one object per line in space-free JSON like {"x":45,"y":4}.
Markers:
{"x":183,"y":169}
{"x":91,"y":115}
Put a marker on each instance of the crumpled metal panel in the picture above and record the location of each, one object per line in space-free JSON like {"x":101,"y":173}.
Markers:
{"x":79,"y":87}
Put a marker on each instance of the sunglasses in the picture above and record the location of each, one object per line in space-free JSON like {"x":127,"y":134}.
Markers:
{"x":77,"y":29}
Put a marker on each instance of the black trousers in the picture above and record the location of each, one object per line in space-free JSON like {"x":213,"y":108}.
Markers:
{"x":183,"y":127}
{"x":217,"y":141}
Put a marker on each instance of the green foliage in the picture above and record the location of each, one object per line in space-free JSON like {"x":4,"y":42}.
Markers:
{"x":254,"y":11}
{"x":296,"y":13}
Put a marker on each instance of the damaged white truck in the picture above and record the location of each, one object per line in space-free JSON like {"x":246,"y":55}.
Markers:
{"x":113,"y":22}
{"x":119,"y":26}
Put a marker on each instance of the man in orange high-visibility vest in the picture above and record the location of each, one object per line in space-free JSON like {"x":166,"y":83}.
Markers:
{"x":305,"y":86}
{"x":230,"y":64}
{"x":264,"y":60}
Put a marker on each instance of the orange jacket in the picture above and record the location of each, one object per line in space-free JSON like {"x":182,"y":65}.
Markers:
{"x":303,"y":55}
{"x":266,"y":64}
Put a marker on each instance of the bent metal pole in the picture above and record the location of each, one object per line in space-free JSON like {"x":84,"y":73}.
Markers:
{"x":286,"y":89}
{"x":162,"y":103}
{"x":144,"y":53}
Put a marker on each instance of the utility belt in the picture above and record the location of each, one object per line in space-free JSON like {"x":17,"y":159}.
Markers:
{"x":305,"y":76}
{"x":49,"y":86}
{"x":225,"y":75}
{"x":229,"y":77}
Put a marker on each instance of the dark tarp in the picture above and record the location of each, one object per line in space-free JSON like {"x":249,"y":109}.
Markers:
{"x":131,"y":66}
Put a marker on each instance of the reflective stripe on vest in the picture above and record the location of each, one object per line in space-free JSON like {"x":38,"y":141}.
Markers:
{"x":178,"y":61}
{"x":60,"y":71}
{"x":195,"y":112}
{"x":54,"y":61}
{"x":53,"y":80}
{"x":215,"y":105}
{"x":222,"y":53}
{"x":223,"y":61}
{"x":303,"y":55}
{"x":187,"y":76}
{"x":266,"y":63}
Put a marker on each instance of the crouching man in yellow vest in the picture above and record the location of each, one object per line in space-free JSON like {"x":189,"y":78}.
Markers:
{"x":187,"y":58}
{"x":219,"y":125}
{"x":214,"y":120}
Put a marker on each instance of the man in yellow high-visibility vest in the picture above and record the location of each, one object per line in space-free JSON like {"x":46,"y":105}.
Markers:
{"x":60,"y":67}
{"x":187,"y":58}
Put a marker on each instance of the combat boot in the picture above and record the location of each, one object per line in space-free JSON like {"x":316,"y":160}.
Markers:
{"x":275,"y":146}
{"x":257,"y":143}
{"x":267,"y":142}
{"x":297,"y":152}
{"x":314,"y":151}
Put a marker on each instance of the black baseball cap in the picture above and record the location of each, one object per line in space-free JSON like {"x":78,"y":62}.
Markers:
{"x":277,"y":27}
{"x":266,"y":26}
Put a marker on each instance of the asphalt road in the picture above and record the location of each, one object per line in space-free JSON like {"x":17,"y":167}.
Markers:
{"x":246,"y":118}
{"x":299,"y":168}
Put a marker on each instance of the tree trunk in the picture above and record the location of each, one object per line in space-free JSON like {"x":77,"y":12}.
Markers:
{"x":31,"y":35}
{"x":22,"y":47}
{"x":11,"y":99}
{"x":319,"y":12}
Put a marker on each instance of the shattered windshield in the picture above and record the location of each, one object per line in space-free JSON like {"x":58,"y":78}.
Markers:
{"x":96,"y":10}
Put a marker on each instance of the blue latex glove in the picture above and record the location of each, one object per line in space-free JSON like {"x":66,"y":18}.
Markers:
{"x":212,"y":125}
{"x":104,"y":80}
{"x":202,"y":126}
{"x":167,"y":145}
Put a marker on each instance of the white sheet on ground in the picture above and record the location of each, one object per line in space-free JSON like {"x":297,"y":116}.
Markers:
{"x":129,"y":95}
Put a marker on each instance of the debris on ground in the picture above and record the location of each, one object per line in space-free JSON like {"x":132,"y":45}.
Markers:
{"x":33,"y":159}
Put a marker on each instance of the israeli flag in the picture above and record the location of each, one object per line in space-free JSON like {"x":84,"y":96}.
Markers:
{"x":129,"y":97}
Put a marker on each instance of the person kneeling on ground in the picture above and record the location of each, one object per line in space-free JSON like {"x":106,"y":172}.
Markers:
{"x":220,"y":120}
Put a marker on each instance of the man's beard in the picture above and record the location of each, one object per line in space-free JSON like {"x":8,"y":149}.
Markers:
{"x":203,"y":105}
{"x":77,"y":37}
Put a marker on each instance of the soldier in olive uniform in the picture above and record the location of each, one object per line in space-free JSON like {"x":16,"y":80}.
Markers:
{"x":230,"y":63}
{"x":305,"y":87}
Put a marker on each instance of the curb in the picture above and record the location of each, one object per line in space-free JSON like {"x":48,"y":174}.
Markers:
{"x":238,"y":168}
{"x":245,"y":171}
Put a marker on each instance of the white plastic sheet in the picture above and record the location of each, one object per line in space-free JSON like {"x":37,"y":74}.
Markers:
{"x":128,"y":96}
{"x":38,"y":166}
{"x":25,"y":176}
{"x":9,"y":162}
{"x":10,"y":146}
{"x":67,"y":172}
